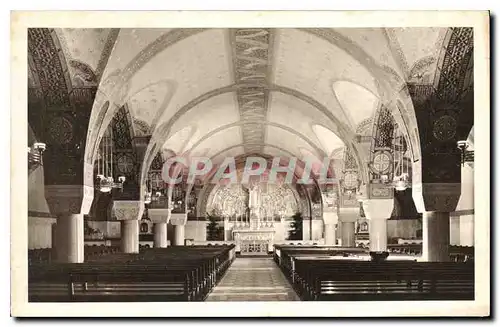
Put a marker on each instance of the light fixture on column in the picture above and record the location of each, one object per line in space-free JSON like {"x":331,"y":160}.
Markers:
{"x":466,"y":155}
{"x":147,"y":197}
{"x":148,"y":194}
{"x":105,"y":181}
{"x":35,"y":155}
{"x":156,"y":196}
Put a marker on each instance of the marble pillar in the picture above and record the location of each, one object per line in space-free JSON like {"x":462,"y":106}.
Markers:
{"x":160,"y":235}
{"x":378,"y":211}
{"x":128,"y":212}
{"x":160,"y":219}
{"x":179,"y":235}
{"x":435,"y":201}
{"x":348,"y":234}
{"x":69,"y":247}
{"x":69,"y":203}
{"x":330,"y":219}
{"x":467,"y":230}
{"x":348,"y":218}
{"x":179,"y":220}
{"x":130,"y":236}
{"x":455,"y":230}
{"x":436,"y":236}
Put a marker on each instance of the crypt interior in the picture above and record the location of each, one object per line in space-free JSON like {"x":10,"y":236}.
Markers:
{"x":391,"y":110}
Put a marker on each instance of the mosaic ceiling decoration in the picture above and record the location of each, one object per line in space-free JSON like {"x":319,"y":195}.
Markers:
{"x":251,"y":60}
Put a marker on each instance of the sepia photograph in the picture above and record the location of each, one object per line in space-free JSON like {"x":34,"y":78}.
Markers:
{"x":269,"y":164}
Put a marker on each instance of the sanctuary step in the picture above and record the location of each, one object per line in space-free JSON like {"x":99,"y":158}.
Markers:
{"x":253,"y":279}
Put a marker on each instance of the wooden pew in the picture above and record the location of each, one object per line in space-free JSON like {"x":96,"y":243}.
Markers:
{"x":39,"y":255}
{"x":347,"y":280}
{"x":171,"y":274}
{"x":457,"y":253}
{"x":283,"y":253}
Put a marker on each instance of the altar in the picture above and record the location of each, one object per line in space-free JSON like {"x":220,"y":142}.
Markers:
{"x":254,"y":241}
{"x":253,"y":216}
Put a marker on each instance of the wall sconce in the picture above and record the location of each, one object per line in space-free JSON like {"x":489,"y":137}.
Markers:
{"x":402,"y":182}
{"x":147,"y":197}
{"x":466,"y":155}
{"x":35,"y":155}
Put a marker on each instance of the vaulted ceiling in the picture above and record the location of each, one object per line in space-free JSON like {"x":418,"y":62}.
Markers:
{"x":219,"y":92}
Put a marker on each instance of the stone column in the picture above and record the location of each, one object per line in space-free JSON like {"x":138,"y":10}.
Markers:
{"x":227,"y":230}
{"x":378,"y":211}
{"x":178,"y":220}
{"x":455,"y":230}
{"x":348,"y":217}
{"x":160,"y":235}
{"x":349,"y":233}
{"x":160,"y":218}
{"x":129,"y":231}
{"x":179,"y":235}
{"x":467,"y":230}
{"x":70,"y":238}
{"x":465,"y":207}
{"x":436,"y":236}
{"x":330,"y":219}
{"x":128,"y":213}
{"x":69,"y":203}
{"x":436,"y":201}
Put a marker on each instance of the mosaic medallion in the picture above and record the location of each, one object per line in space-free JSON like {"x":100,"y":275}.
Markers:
{"x":125,"y":164}
{"x":382,"y":162}
{"x":61,"y":130}
{"x":350,"y":180}
{"x":444,"y":128}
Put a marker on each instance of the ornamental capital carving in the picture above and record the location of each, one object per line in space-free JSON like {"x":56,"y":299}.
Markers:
{"x":178,"y":219}
{"x":69,"y":199}
{"x":330,"y":218}
{"x":441,"y":197}
{"x":380,"y":191}
{"x":160,"y":215}
{"x":378,"y":208}
{"x":128,"y":210}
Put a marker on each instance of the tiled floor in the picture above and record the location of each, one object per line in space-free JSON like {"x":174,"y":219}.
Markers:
{"x":253,"y":279}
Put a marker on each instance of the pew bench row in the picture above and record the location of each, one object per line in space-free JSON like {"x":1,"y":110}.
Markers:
{"x":172,"y":274}
{"x":326,"y":275}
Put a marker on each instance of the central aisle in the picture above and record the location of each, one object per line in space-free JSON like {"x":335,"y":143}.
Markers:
{"x":253,"y":279}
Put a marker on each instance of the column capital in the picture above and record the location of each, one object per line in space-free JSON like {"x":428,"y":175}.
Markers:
{"x":348,"y":214}
{"x":69,"y":199}
{"x":440,"y":197}
{"x":378,"y":208}
{"x":379,"y":191}
{"x":128,"y":210}
{"x":159,"y":215}
{"x":330,"y":218}
{"x":178,"y":219}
